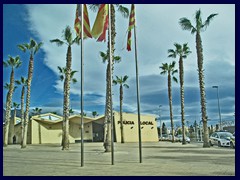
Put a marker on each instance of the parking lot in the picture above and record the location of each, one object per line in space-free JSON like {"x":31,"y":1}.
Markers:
{"x":158,"y":159}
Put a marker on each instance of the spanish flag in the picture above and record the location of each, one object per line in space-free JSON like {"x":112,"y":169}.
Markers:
{"x":86,"y":23}
{"x":101,"y":23}
{"x":130,"y":27}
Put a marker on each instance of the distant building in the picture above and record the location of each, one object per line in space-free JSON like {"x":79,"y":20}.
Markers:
{"x":47,"y":128}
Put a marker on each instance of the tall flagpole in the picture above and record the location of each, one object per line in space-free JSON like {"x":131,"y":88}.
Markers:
{"x":138,"y":98}
{"x":82,"y":126}
{"x":110,"y":62}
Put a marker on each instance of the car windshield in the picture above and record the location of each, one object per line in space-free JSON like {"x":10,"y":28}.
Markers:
{"x":225,"y":135}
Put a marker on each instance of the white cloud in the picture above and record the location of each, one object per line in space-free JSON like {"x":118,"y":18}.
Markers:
{"x":157,"y":31}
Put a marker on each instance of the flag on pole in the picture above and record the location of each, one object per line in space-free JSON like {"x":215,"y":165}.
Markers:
{"x":101,"y":23}
{"x":86,"y":23}
{"x":130,"y":27}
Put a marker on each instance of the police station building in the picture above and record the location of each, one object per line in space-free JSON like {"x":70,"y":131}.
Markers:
{"x":47,"y":128}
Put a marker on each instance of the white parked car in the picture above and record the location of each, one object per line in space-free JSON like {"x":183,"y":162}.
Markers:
{"x":180,"y":137}
{"x":221,"y":139}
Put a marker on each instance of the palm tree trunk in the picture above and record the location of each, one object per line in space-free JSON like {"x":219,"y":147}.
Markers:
{"x":107,"y":125}
{"x":26,"y":120}
{"x":181,"y":77}
{"x":65,"y":144}
{"x":108,"y":94}
{"x":170,"y":103}
{"x":202,"y":89}
{"x":8,"y":110}
{"x":11,"y":127}
{"x":121,"y":116}
{"x":22,"y":113}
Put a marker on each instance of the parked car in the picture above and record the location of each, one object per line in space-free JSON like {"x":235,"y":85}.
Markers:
{"x":164,"y":137}
{"x":180,"y":137}
{"x":221,"y":139}
{"x":232,"y":141}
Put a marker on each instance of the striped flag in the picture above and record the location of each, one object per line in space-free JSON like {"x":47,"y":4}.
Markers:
{"x":130,"y":27}
{"x":86,"y":23}
{"x":101,"y":23}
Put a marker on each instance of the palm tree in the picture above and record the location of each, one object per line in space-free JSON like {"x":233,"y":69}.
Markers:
{"x":23,"y":82}
{"x":182,"y":51}
{"x":107,"y":127}
{"x":36,"y":111}
{"x":200,"y":27}
{"x":122,"y":82}
{"x":71,"y":111}
{"x":125,"y":13}
{"x":62,"y":71}
{"x":94,"y":114}
{"x":12,"y":63}
{"x":15,"y":106}
{"x":84,"y":114}
{"x":69,"y":41}
{"x":170,"y":70}
{"x":33,"y":47}
{"x":7,"y":86}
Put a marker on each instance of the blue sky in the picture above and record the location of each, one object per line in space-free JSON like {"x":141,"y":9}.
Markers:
{"x":157,"y":30}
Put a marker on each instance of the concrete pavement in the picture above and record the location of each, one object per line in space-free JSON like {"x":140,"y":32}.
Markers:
{"x":159,"y":159}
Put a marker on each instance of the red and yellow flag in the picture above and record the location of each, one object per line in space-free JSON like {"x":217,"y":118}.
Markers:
{"x":86,"y":23}
{"x":101,"y":23}
{"x":130,"y":27}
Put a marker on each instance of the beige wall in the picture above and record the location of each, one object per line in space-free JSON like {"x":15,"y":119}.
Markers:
{"x":52,"y":133}
{"x":46,"y":133}
{"x":130,"y":128}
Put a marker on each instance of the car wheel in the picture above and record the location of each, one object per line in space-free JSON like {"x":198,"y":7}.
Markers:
{"x":231,"y":145}
{"x":210,"y":143}
{"x":219,"y":144}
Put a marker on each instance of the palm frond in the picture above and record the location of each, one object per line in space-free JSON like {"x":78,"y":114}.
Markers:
{"x":74,"y":80}
{"x":209,"y":19}
{"x":186,"y":24}
{"x":72,"y":73}
{"x":76,"y":40}
{"x":171,"y":53}
{"x":117,"y":59}
{"x":61,"y":77}
{"x":68,"y":35}
{"x":6,"y":86}
{"x":57,"y":41}
{"x":126,"y":86}
{"x":178,"y":46}
{"x":115,"y":82}
{"x":21,"y":47}
{"x":60,"y":69}
{"x":32,"y":44}
{"x":37,"y":47}
{"x":174,"y":71}
{"x":104,"y":56}
{"x":198,"y":20}
{"x":5,"y":64}
{"x":193,"y":31}
{"x":18,"y":64}
{"x":175,"y":79}
{"x":18,"y":82}
{"x":94,"y":7}
{"x":125,"y":78}
{"x":123,"y":10}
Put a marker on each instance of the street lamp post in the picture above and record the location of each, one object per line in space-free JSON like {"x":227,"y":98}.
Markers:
{"x":160,"y":128}
{"x":219,"y":111}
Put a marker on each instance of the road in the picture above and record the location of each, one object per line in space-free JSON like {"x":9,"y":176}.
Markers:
{"x":159,"y":159}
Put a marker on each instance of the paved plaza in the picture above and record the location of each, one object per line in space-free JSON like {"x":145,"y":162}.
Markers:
{"x":158,"y":159}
